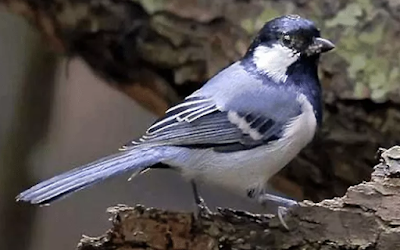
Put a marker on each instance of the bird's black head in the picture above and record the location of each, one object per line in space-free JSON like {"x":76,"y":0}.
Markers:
{"x":293,"y":32}
{"x":282,"y":42}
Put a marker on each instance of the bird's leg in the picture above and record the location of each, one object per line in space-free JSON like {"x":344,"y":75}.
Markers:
{"x":284,"y":203}
{"x":202,"y":208}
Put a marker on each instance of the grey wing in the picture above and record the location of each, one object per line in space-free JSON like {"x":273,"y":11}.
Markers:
{"x":198,"y":122}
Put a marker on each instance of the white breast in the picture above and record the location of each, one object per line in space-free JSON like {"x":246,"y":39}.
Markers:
{"x":239,"y":171}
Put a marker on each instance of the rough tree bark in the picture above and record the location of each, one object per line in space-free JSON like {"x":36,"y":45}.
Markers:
{"x":159,"y":51}
{"x":367,"y":217}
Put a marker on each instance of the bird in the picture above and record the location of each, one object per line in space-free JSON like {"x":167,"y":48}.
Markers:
{"x":239,"y":129}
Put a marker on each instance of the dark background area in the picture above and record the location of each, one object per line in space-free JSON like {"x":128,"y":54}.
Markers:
{"x":79,"y":119}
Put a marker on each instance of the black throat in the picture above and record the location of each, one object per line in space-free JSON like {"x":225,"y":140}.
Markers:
{"x":303,"y":77}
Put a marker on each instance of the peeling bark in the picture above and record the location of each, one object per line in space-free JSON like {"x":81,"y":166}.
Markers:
{"x":366,"y":217}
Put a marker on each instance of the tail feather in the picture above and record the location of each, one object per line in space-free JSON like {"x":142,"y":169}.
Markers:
{"x":76,"y":179}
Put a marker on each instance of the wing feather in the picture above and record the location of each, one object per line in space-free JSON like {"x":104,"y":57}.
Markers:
{"x":233,"y":111}
{"x":199,"y":122}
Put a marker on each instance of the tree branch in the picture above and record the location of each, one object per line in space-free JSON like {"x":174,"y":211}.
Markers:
{"x":367,"y":217}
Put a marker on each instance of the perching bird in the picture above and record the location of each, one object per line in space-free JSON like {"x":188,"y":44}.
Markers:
{"x":238,"y":130}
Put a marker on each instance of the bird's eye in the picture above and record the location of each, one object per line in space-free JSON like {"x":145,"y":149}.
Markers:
{"x":287,"y":40}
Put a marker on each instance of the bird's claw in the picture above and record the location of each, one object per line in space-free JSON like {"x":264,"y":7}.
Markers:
{"x":282,"y":212}
{"x":202,"y":208}
{"x":283,"y":208}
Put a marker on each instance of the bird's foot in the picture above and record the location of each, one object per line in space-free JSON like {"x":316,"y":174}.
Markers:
{"x":282,"y":212}
{"x":201,"y":207}
{"x":283,"y":208}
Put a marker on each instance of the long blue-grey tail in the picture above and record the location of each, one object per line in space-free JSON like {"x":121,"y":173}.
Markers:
{"x":136,"y":159}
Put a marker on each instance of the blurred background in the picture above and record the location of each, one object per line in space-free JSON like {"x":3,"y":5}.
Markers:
{"x":81,"y":78}
{"x":56,"y":114}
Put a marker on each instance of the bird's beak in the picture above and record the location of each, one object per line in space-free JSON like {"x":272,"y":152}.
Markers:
{"x":319,"y":45}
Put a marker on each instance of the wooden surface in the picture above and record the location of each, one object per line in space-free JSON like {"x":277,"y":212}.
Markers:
{"x":367,"y":217}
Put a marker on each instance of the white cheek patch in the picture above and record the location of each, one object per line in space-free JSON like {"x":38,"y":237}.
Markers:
{"x":274,"y":61}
